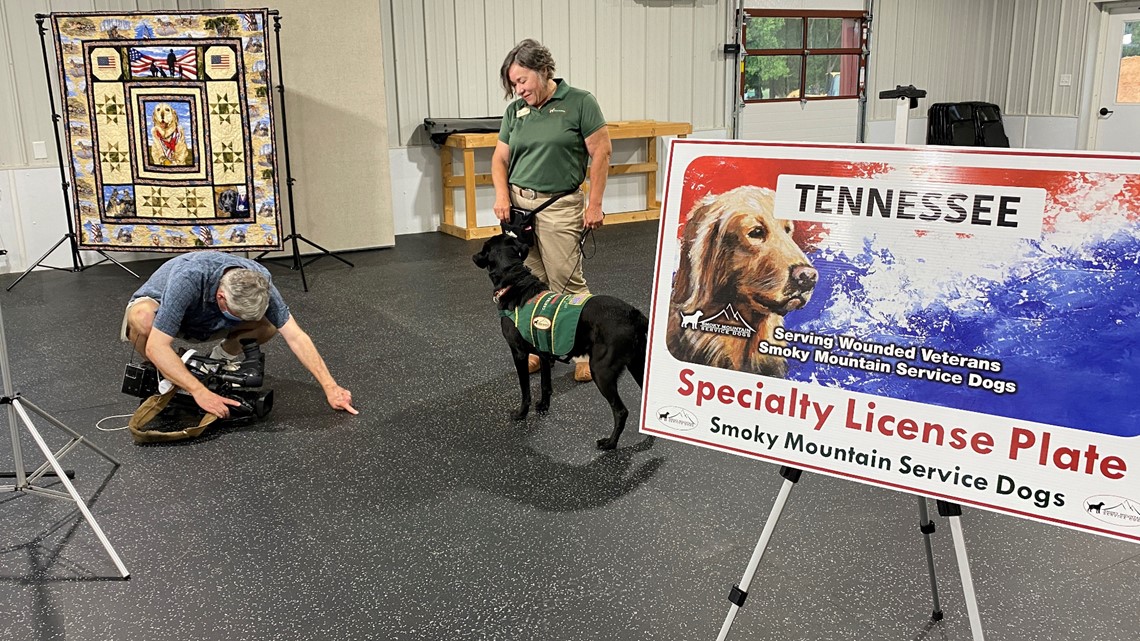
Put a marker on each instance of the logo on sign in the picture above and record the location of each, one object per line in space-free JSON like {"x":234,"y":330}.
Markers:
{"x":728,"y":322}
{"x":677,"y":418}
{"x":1114,"y":510}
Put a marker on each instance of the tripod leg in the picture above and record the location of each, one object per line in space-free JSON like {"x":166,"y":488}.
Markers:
{"x":37,"y":263}
{"x":79,"y":437}
{"x":70,"y":488}
{"x":125,"y":268}
{"x":298,"y":264}
{"x":954,"y":512}
{"x":17,"y":455}
{"x":326,"y":252}
{"x":926,"y":526}
{"x":740,"y":592}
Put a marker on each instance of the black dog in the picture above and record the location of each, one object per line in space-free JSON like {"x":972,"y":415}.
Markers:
{"x":612,"y":332}
{"x":228,"y":203}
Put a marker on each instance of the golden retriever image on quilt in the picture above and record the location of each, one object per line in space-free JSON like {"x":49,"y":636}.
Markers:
{"x":167,"y":140}
{"x":740,"y":273}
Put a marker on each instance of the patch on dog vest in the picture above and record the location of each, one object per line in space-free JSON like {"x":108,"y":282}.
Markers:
{"x":549,"y":321}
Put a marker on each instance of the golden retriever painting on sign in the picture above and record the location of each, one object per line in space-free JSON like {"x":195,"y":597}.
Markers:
{"x":168,"y":143}
{"x":740,"y":274}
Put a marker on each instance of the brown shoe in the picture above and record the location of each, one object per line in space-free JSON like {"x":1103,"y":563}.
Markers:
{"x":582,"y":372}
{"x":533,"y":363}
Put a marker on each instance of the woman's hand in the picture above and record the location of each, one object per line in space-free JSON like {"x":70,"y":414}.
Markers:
{"x":594,"y":216}
{"x":503,"y":208}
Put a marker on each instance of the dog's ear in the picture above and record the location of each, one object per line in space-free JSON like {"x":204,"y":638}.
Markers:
{"x":691,"y":255}
{"x":714,"y":253}
{"x":481,"y":259}
{"x":701,"y":251}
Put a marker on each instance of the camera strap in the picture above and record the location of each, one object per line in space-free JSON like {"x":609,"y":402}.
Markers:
{"x":151,"y":408}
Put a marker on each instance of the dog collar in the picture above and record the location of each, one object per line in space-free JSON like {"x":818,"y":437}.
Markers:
{"x":168,"y":144}
{"x":499,"y":293}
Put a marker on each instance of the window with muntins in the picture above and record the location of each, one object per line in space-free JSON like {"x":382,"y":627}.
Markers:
{"x":802,"y":55}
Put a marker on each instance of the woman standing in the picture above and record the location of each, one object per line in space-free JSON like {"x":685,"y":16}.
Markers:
{"x":549,"y":136}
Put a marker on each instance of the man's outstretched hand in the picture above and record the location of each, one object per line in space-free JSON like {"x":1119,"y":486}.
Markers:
{"x":340,"y":399}
{"x":214,"y":404}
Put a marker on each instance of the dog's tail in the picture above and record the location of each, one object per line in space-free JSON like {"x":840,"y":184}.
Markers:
{"x":641,"y":349}
{"x":640,"y":322}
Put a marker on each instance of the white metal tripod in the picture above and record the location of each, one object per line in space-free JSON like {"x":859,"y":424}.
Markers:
{"x":907,"y":99}
{"x":18,"y":415}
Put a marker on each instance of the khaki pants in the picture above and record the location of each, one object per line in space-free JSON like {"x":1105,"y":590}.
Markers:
{"x":556,"y":259}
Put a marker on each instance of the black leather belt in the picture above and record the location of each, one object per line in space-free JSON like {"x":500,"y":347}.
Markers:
{"x":526,"y":192}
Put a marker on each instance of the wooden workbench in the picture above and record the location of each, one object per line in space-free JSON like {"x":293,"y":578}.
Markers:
{"x":468,"y":180}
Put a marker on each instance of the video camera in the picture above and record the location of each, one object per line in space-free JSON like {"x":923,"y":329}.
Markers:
{"x":234,"y":380}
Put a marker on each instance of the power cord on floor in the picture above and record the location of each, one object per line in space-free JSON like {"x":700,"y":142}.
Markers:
{"x":99,"y":423}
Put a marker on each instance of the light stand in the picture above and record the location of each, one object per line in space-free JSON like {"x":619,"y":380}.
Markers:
{"x":17,"y":414}
{"x":76,"y":260}
{"x":297,"y":264}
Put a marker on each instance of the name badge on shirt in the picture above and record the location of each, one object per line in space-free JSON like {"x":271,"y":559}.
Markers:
{"x":522,"y":112}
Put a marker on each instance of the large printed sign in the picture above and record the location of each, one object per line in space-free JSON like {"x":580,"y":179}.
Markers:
{"x":170,"y":130}
{"x":961,"y":324}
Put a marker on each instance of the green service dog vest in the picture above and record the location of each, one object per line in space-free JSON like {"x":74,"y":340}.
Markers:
{"x":549,"y":321}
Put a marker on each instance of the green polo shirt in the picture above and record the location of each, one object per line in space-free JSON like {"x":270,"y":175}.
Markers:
{"x":548,"y":145}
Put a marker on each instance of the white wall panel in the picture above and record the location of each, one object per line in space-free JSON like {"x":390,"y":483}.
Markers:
{"x":1073,"y":34}
{"x":410,"y":67}
{"x":527,"y":20}
{"x":656,"y":80}
{"x":473,"y":68}
{"x":1001,"y":43}
{"x":497,"y":26}
{"x":32,"y":113}
{"x":609,"y":73}
{"x":440,"y":58}
{"x":11,"y":143}
{"x":390,"y":89}
{"x":556,"y":36}
{"x":1020,"y":57}
{"x":818,"y":121}
{"x":707,"y":89}
{"x":584,"y":55}
{"x":632,"y":54}
{"x":680,"y":79}
{"x":1047,"y":28}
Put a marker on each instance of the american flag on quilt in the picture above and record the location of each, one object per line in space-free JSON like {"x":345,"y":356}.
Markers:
{"x":146,"y":63}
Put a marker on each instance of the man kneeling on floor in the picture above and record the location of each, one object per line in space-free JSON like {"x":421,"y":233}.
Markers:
{"x":209,"y":295}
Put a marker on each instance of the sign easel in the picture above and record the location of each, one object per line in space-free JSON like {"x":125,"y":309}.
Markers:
{"x":907,"y":99}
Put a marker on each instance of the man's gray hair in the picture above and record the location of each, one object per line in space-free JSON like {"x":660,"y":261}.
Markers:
{"x":529,"y":54}
{"x":246,"y":292}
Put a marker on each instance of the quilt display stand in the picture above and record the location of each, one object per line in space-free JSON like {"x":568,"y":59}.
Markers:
{"x":907,"y":99}
{"x":294,"y":261}
{"x":25,"y":482}
{"x":76,"y":260}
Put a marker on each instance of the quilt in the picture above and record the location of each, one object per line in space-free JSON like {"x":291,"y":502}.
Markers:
{"x":169,"y":130}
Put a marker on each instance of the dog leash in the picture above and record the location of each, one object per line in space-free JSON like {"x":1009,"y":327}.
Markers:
{"x":586,"y":233}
